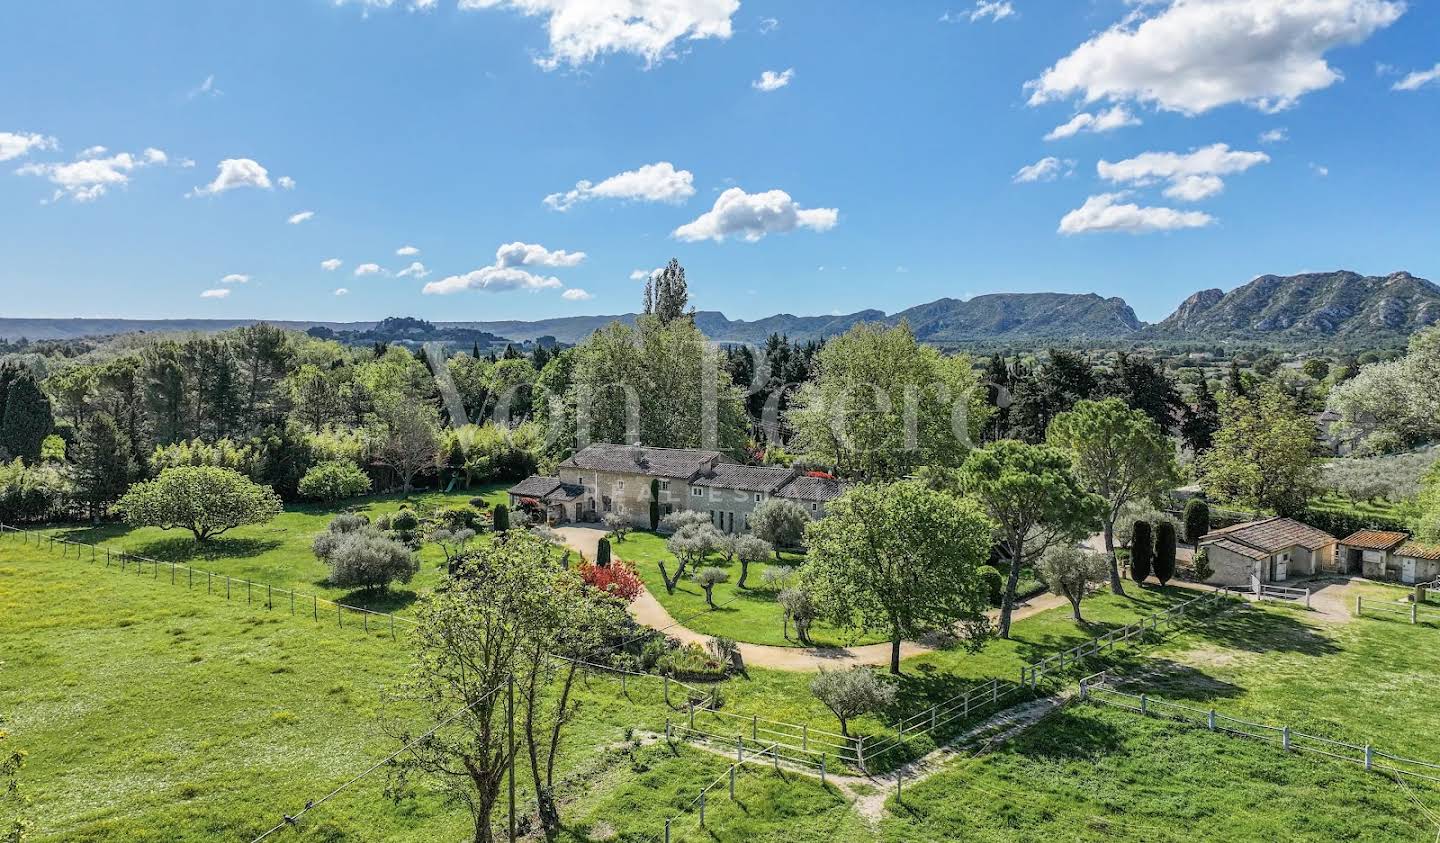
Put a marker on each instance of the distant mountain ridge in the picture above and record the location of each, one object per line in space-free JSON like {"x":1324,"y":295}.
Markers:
{"x":1297,"y":308}
{"x":1313,"y":305}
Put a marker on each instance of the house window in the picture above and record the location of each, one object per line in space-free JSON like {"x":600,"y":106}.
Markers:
{"x":697,"y":492}
{"x":759,"y":496}
{"x":814,"y":507}
{"x":619,"y":485}
{"x":664,"y":485}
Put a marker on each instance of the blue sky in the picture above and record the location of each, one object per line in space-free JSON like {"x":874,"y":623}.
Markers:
{"x":879,"y":165}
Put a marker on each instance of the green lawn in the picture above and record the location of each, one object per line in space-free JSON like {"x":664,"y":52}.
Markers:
{"x":278,"y":552}
{"x":1102,"y":774}
{"x":749,"y":614}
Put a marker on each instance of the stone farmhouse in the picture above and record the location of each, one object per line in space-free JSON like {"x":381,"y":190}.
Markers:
{"x":1267,"y":551}
{"x":1387,"y":555}
{"x":604,"y":478}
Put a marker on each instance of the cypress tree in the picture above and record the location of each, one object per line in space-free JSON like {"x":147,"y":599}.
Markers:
{"x":654,"y":505}
{"x":1164,"y":564}
{"x":27,"y":418}
{"x":602,"y":554}
{"x":502,"y":518}
{"x":1142,"y":551}
{"x":1197,"y":520}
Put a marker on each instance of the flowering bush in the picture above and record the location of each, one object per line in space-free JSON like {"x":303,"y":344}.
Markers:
{"x":617,"y":578}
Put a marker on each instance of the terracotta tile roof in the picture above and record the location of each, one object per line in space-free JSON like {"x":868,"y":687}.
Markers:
{"x":749,"y":478}
{"x":1415,"y":550}
{"x":1273,"y":535}
{"x":1374,"y":539}
{"x":1239,"y":549}
{"x":681,"y":463}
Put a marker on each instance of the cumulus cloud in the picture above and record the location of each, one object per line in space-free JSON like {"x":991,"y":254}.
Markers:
{"x":15,"y":145}
{"x":332,"y":264}
{"x":1274,"y":136}
{"x":583,"y":30}
{"x":494,"y":279}
{"x":341,"y":291}
{"x":1319,"y":169}
{"x":93,"y":174}
{"x":235,"y":278}
{"x":1192,"y":176}
{"x":215,"y":294}
{"x":407,"y":251}
{"x":644,"y":274}
{"x":367,"y":269}
{"x":1107,"y":212}
{"x":1048,"y":168}
{"x":530,"y":254}
{"x":1115,"y":117}
{"x":303,"y":216}
{"x":414,"y":270}
{"x":1412,"y":81}
{"x":1194,"y":55}
{"x":772,"y":81}
{"x":576,"y":294}
{"x":751,"y":216}
{"x":235,"y":173}
{"x":658,"y":182}
{"x":286,"y":183}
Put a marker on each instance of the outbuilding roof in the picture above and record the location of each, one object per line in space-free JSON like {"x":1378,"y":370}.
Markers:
{"x":1415,"y":550}
{"x":1374,"y":539}
{"x":546,"y":488}
{"x":1272,"y":535}
{"x":1239,"y":549}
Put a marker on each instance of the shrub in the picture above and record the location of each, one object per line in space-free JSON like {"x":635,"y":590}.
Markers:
{"x":1164,"y":561}
{"x":501,"y":518}
{"x":1202,"y":570}
{"x":456,"y":518}
{"x":652,"y":652}
{"x":993,"y":581}
{"x":1142,"y":551}
{"x":617,"y":578}
{"x":360,"y":557}
{"x":404,"y":521}
{"x":479,"y":503}
{"x":724,"y":650}
{"x":1197,"y":520}
{"x":602,"y":553}
{"x":689,"y":662}
{"x":30,"y":494}
{"x":334,"y":481}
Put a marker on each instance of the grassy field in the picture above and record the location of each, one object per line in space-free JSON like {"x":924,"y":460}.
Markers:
{"x":279,"y":552}
{"x":749,"y":614}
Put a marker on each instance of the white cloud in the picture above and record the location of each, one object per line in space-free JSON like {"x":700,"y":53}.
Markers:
{"x":1192,"y":176}
{"x":235,"y":278}
{"x":576,"y":294}
{"x":331,"y":264}
{"x":303,"y":216}
{"x":769,"y":25}
{"x":286,"y":183}
{"x":1319,"y":170}
{"x":1274,"y":136}
{"x":644,"y":274}
{"x":771,"y":81}
{"x":1194,"y":55}
{"x":530,"y":254}
{"x":507,"y":272}
{"x":156,"y":156}
{"x":92,"y":176}
{"x":367,"y":269}
{"x":492,"y":278}
{"x":753,"y":215}
{"x":414,"y":270}
{"x":658,"y":182}
{"x":1418,"y":79}
{"x":1105,"y":212}
{"x":407,"y":251}
{"x":995,"y":10}
{"x":235,"y":173}
{"x":341,"y":291}
{"x":92,"y":152}
{"x":583,"y":30}
{"x":215,"y":294}
{"x":1046,"y":169}
{"x":1115,"y":117}
{"x":14,"y":145}
{"x":205,"y":89}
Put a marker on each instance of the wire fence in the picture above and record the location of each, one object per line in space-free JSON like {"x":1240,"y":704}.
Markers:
{"x":1142,"y":630}
{"x":1099,"y":689}
{"x":1413,"y":611}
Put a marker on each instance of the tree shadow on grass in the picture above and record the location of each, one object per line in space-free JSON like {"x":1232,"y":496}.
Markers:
{"x":1069,"y":735}
{"x":388,"y":601}
{"x":186,"y":549}
{"x":1173,"y":680}
{"x":1257,"y":631}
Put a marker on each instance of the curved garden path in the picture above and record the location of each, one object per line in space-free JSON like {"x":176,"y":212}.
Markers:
{"x":648,"y":611}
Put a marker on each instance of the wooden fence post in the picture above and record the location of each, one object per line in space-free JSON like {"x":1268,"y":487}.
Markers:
{"x":1285,"y":738}
{"x":702,"y":809}
{"x":1210,"y":720}
{"x":1369,"y":757}
{"x":1144,"y":704}
{"x":667,"y":831}
{"x":690,"y":704}
{"x":1413,"y":608}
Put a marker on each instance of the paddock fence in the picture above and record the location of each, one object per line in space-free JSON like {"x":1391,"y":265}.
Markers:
{"x":1145,"y":629}
{"x":1100,"y":690}
{"x":1413,"y":611}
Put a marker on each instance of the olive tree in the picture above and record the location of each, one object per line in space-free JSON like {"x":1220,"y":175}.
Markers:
{"x":749,"y":550}
{"x":205,"y":500}
{"x":800,"y":609}
{"x":708,"y":578}
{"x":850,"y":693}
{"x":690,"y":546}
{"x":780,"y":522}
{"x":1069,"y":571}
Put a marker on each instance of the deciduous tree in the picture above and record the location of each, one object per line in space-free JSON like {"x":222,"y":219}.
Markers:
{"x":205,"y":500}
{"x":1264,"y":453}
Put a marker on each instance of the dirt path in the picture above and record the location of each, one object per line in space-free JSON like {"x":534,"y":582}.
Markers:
{"x":648,"y":611}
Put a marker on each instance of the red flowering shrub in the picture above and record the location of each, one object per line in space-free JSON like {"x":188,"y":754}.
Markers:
{"x":617,"y":578}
